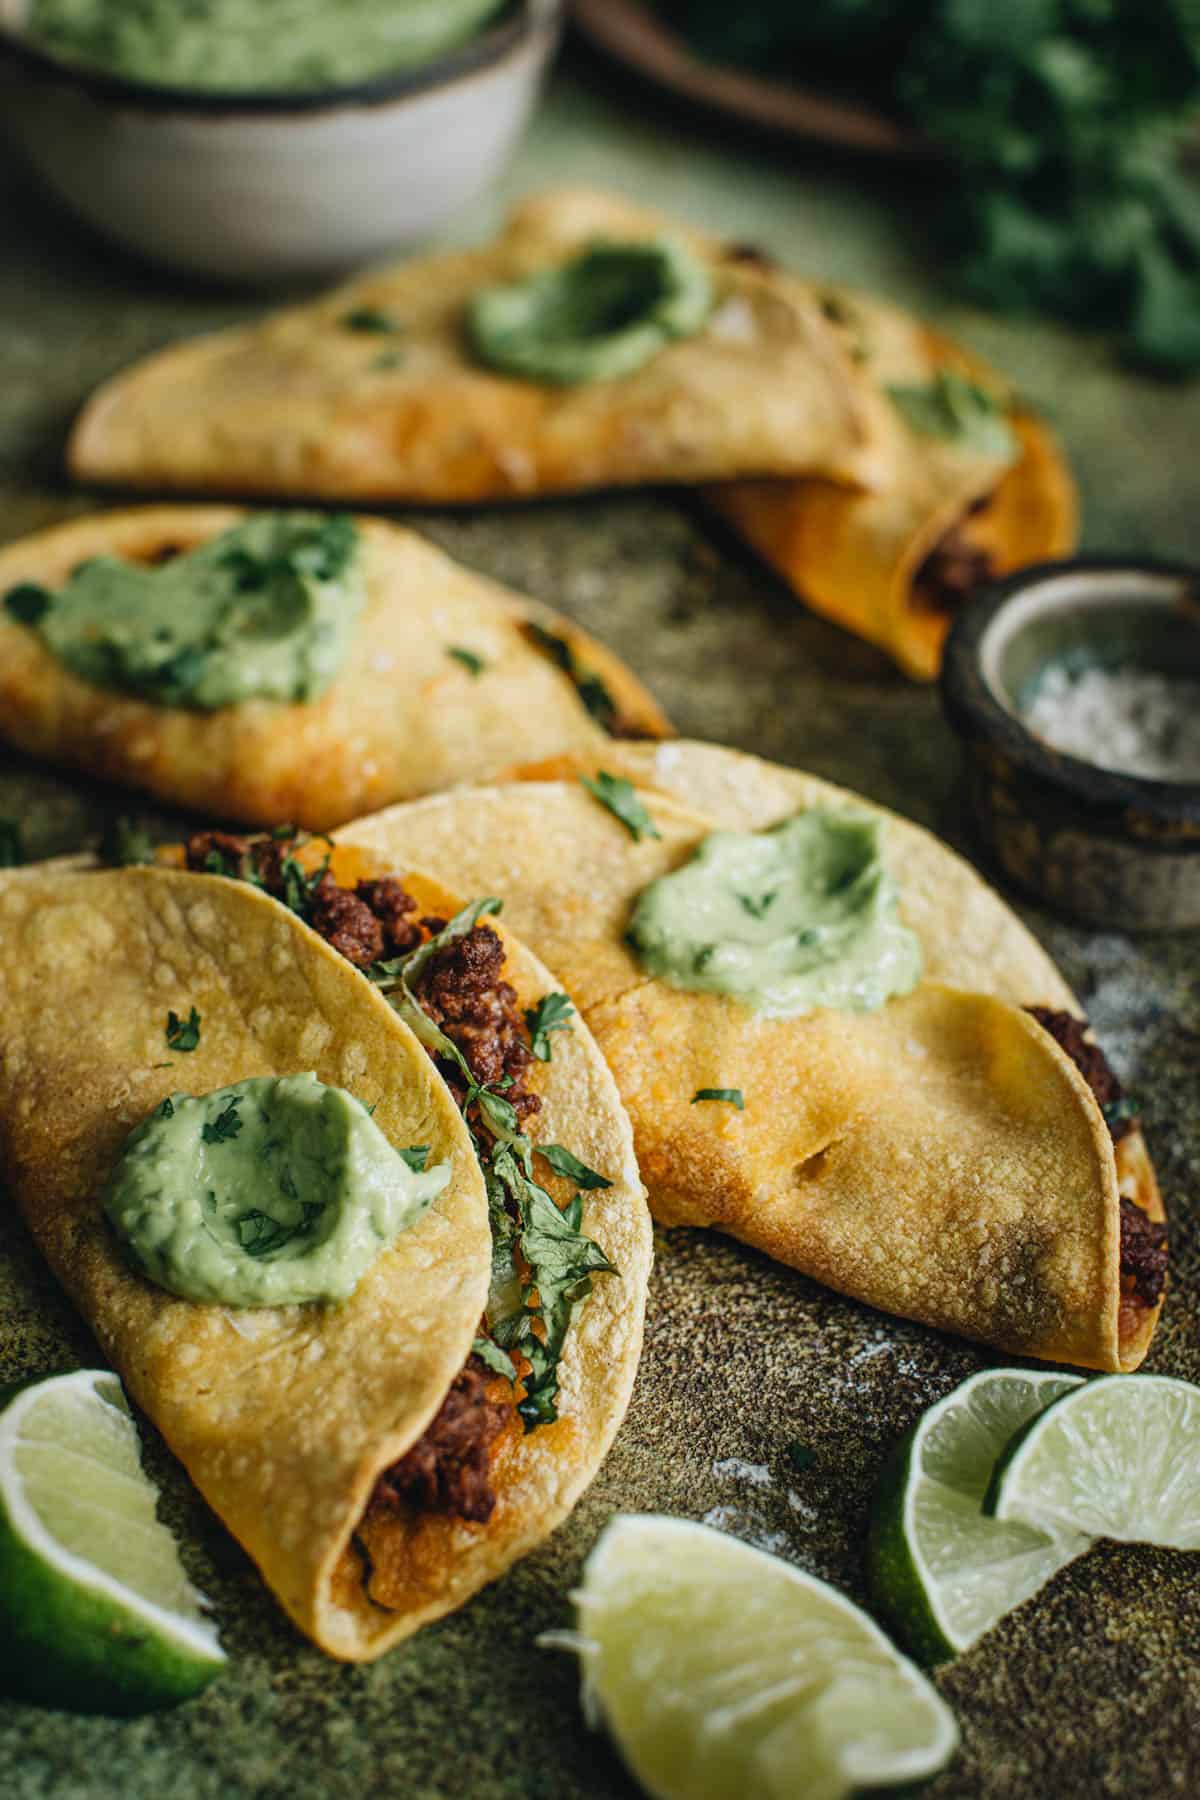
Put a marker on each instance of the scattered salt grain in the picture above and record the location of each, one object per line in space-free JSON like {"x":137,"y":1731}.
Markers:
{"x":1130,"y":720}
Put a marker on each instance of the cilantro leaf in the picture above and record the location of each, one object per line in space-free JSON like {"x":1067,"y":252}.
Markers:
{"x":496,"y":1359}
{"x":553,"y":1012}
{"x":563,"y":1163}
{"x":621,"y":798}
{"x":126,"y":844}
{"x":27,"y":602}
{"x":12,"y":844}
{"x":226,"y":1125}
{"x":1127,"y":1107}
{"x":758,"y":908}
{"x":183,"y":1034}
{"x":416,"y":1156}
{"x":474,"y":665}
{"x":371,"y":319}
{"x":959,"y":410}
{"x":167,"y":1109}
{"x":259,"y":1234}
{"x":595,"y":696}
{"x":734,"y":1096}
{"x":800,"y":1456}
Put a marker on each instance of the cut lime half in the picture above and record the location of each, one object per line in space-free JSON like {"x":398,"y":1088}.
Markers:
{"x":1118,"y":1458}
{"x":96,"y":1612}
{"x":941,"y":1571}
{"x":722,"y":1672}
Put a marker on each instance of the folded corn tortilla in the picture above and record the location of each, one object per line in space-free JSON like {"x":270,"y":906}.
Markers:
{"x":860,"y":558}
{"x":402,"y":717}
{"x":941,"y":1158}
{"x":285,"y":1417}
{"x":300,"y":403}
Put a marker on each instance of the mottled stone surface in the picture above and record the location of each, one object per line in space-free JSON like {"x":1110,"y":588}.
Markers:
{"x":1093,"y":1689}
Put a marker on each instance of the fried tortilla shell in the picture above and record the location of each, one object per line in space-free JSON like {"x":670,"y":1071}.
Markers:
{"x":869,"y":561}
{"x":283,"y":1416}
{"x":403,"y":716}
{"x":286,"y":1417}
{"x":303,"y":404}
{"x":942,"y":1158}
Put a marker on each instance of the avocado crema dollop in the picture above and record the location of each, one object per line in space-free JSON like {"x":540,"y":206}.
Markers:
{"x":599,"y":316}
{"x":801,"y":916}
{"x":269,"y":1192}
{"x":263,"y":46}
{"x":265,"y":611}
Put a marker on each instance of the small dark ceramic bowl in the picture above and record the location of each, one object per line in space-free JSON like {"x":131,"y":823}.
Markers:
{"x":1108,"y":848}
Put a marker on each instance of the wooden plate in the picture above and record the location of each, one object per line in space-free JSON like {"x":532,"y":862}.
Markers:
{"x":632,"y":35}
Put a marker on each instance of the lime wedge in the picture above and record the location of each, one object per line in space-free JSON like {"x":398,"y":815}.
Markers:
{"x":941,"y":1572}
{"x":722,"y":1672}
{"x":96,"y":1612}
{"x":1118,"y":1458}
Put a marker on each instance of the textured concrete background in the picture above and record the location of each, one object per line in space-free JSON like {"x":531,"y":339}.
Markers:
{"x":1092,"y":1689}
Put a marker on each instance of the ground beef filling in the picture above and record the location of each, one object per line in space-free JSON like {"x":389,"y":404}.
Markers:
{"x":448,"y":1469}
{"x":1143,"y":1239}
{"x":952,"y":570}
{"x":463,"y":991}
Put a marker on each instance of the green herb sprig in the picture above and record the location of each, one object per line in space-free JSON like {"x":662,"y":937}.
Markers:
{"x":553,"y":1012}
{"x":622,"y":800}
{"x":183,"y":1034}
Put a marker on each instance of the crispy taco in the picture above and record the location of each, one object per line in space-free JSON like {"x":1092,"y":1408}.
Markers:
{"x":293,"y":666}
{"x":384,"y":1454}
{"x":938,"y":1136}
{"x":976,"y":486}
{"x":593,"y":344}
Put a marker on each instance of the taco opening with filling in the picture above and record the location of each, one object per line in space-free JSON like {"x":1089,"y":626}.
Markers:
{"x":834,"y":1042}
{"x":345,"y":1289}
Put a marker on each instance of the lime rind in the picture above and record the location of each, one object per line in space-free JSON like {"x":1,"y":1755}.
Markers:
{"x":1119,"y":1458}
{"x":721,"y":1671}
{"x":74,"y":1633}
{"x":941,"y":1572}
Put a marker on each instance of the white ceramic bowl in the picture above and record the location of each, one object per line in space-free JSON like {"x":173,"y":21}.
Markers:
{"x":275,"y":187}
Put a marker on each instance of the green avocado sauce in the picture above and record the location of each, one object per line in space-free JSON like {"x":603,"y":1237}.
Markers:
{"x":265,"y":611}
{"x":801,"y":916}
{"x":265,"y":46}
{"x":270,"y":1192}
{"x":595,"y":318}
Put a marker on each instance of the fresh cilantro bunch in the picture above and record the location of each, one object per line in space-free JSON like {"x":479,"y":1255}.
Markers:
{"x":1064,"y":120}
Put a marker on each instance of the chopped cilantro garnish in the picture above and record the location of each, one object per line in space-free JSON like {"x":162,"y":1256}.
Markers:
{"x":227,"y":1124}
{"x":621,"y":798}
{"x":474,"y":665}
{"x":757,"y":908}
{"x":167,"y":1109}
{"x":416,"y":1156}
{"x":125,"y":844}
{"x":260,"y":1235}
{"x":733,"y":1095}
{"x":183,"y":1034}
{"x":496,"y":1359}
{"x":952,"y":407}
{"x":542,"y":1261}
{"x":553,"y":1012}
{"x":591,"y":689}
{"x":1127,"y":1107}
{"x":12,"y":844}
{"x":27,"y":602}
{"x":371,"y":319}
{"x":563,"y":1163}
{"x":800,"y":1456}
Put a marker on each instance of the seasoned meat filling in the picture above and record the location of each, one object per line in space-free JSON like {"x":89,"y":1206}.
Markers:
{"x":1143,"y":1239}
{"x":448,"y":1469}
{"x":463,"y":991}
{"x":953,"y":568}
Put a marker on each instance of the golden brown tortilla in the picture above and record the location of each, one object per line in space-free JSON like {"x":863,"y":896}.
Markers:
{"x":285,"y":1417}
{"x":301,"y":404}
{"x":858,"y":558}
{"x":403,"y":717}
{"x":941,"y":1158}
